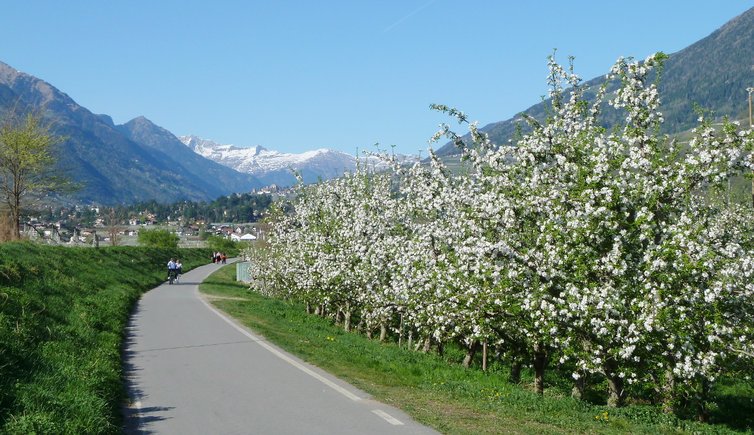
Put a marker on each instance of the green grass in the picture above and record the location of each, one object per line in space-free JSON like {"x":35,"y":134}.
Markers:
{"x":437,"y":390}
{"x":62,"y":317}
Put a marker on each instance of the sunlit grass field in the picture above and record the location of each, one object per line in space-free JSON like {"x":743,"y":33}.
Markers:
{"x":63,"y":313}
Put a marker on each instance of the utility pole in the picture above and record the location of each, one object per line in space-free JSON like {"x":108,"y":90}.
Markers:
{"x":750,"y":90}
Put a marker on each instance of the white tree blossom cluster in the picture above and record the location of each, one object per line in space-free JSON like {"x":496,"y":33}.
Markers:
{"x":602,"y":252}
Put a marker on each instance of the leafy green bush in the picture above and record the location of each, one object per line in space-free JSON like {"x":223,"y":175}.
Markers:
{"x":62,"y":318}
{"x":158,"y":239}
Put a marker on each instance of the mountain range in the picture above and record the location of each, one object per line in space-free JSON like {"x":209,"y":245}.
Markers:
{"x":139,"y":161}
{"x":713,"y":74}
{"x":118,"y":163}
{"x":274,"y":167}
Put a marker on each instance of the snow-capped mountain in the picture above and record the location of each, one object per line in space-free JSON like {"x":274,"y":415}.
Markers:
{"x":274,"y":167}
{"x":116,"y":164}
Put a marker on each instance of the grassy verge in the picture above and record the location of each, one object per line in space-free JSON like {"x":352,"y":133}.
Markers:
{"x":62,"y":318}
{"x":434,"y":391}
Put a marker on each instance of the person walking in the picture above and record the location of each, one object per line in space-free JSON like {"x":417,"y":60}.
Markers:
{"x":178,"y":269}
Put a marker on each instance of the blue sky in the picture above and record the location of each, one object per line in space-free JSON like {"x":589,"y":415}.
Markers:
{"x":343,"y":74}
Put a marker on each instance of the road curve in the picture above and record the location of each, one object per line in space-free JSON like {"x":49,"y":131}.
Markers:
{"x":191,"y":370}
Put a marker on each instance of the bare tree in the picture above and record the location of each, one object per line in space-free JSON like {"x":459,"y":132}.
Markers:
{"x":26,"y":164}
{"x":113,"y":226}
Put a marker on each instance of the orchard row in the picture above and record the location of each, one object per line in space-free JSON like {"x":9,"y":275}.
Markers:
{"x":603,"y":253}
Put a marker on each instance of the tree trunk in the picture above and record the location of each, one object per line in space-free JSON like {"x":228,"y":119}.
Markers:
{"x":614,"y":384}
{"x":16,"y":214}
{"x":484,"y":356}
{"x":400,"y":332}
{"x":470,"y":352}
{"x":702,"y":413}
{"x":516,"y":371}
{"x":369,"y":332}
{"x":577,"y":392}
{"x":383,"y":332}
{"x":614,"y":391}
{"x":668,"y":389}
{"x":427,"y":344}
{"x":308,"y":308}
{"x":540,"y":361}
{"x":347,"y":319}
{"x":410,"y":338}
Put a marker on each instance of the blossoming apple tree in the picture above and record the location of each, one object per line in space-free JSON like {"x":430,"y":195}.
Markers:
{"x":603,"y":252}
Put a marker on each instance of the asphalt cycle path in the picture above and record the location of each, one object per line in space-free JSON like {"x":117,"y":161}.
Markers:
{"x":192,"y":370}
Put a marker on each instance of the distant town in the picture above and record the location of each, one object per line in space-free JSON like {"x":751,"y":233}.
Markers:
{"x":235,"y":217}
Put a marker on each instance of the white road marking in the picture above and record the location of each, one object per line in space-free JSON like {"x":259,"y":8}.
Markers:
{"x":281,"y":355}
{"x":387,"y":417}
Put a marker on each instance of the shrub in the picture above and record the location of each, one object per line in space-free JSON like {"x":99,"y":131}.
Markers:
{"x":158,"y":239}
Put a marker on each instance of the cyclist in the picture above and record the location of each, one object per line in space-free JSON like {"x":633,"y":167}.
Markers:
{"x":172,"y":270}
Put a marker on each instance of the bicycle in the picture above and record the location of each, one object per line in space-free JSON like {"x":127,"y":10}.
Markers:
{"x":172,"y":276}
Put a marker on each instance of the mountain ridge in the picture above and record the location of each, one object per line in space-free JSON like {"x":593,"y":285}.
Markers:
{"x":111,"y":167}
{"x":712,"y":72}
{"x":275,"y":167}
